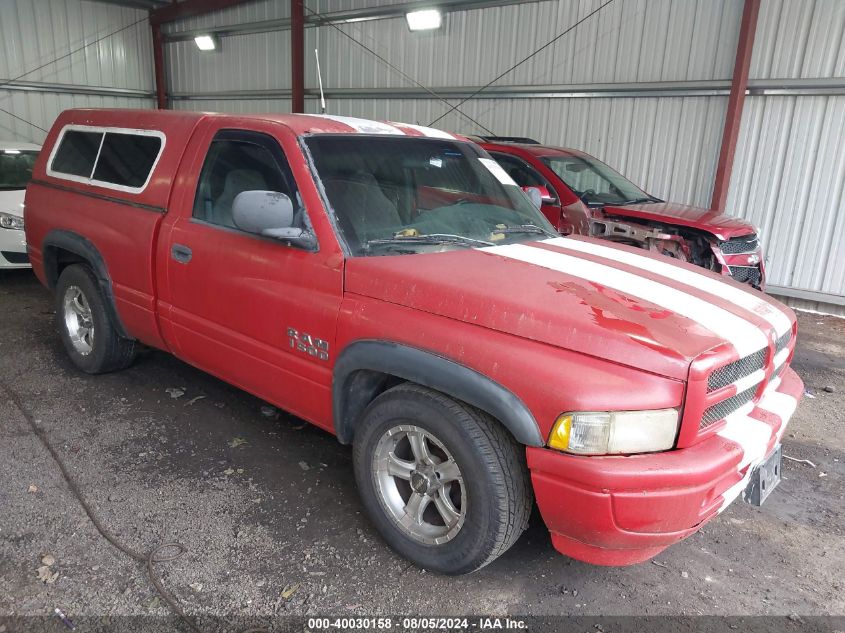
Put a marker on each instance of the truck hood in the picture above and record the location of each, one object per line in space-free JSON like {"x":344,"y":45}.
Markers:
{"x":608,"y":301}
{"x":11,"y":201}
{"x":722,"y":226}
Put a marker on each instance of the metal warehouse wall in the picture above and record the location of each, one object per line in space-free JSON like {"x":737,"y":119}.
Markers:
{"x":114,"y":73}
{"x":642,"y":84}
{"x":670,"y":144}
{"x":789,"y":175}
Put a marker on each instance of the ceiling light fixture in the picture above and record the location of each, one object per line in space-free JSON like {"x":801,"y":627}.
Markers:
{"x":424,"y":19}
{"x":206,"y":42}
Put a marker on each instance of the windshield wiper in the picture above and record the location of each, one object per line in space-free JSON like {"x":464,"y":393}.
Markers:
{"x":522,"y":228}
{"x":641,"y":200}
{"x":590,"y":203}
{"x":429,"y":238}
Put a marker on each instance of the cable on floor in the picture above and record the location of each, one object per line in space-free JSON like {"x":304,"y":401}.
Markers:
{"x":160,"y":554}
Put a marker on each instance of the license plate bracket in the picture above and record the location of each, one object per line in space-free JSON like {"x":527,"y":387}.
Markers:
{"x":764,"y":478}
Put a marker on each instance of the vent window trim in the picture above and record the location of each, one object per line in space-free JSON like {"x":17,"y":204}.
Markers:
{"x":103,"y":130}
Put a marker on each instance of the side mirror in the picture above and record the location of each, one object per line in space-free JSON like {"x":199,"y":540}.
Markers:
{"x":534,"y":196}
{"x":540,"y":195}
{"x":267,"y":213}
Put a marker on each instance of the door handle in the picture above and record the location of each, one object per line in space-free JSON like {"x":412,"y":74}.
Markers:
{"x":181,"y":253}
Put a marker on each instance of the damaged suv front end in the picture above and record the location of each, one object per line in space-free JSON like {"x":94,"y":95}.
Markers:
{"x":702,"y":237}
{"x":580,"y":195}
{"x":742,"y":259}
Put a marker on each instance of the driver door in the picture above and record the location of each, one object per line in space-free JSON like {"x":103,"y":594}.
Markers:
{"x":236,"y":301}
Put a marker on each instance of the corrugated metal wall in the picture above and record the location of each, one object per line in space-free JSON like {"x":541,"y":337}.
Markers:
{"x":668,"y":144}
{"x":790,"y":183}
{"x":639,"y":136}
{"x":789,"y":176}
{"x":664,"y":142}
{"x":37,"y":32}
{"x":629,"y":40}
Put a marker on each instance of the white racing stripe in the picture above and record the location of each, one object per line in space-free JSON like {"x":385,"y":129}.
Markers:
{"x":745,"y":300}
{"x":744,"y":336}
{"x":753,"y":436}
{"x":749,"y":381}
{"x":780,"y":357}
{"x":778,"y":403}
{"x":498,"y":171}
{"x":427,"y":131}
{"x":365,"y":126}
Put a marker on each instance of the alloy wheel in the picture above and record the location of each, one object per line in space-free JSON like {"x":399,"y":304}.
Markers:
{"x":420,"y":484}
{"x":78,"y":320}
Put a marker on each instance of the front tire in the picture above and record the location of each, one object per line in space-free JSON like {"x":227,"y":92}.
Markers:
{"x":445,"y":484}
{"x":86,"y":326}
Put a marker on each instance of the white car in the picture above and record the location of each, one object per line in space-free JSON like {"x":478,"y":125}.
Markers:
{"x":16,"y":161}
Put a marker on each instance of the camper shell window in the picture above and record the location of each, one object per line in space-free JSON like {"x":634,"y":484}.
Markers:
{"x":114,"y":158}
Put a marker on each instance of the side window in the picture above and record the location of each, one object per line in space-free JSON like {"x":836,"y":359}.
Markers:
{"x":240,"y":161}
{"x":76,"y":153}
{"x":127,"y":159}
{"x":114,"y":158}
{"x":523,"y":174}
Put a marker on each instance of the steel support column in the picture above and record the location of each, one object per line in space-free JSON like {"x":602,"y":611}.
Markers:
{"x":736,"y":100}
{"x":158,"y":68}
{"x":170,"y":13}
{"x":297,"y":56}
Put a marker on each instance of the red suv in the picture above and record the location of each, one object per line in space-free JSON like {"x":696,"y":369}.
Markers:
{"x":581,"y":195}
{"x":392,"y":285}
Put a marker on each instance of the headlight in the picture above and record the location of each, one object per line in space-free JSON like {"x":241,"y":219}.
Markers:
{"x":614,"y":432}
{"x":9,"y":221}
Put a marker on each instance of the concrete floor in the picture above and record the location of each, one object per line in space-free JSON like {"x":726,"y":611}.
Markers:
{"x":269,"y":513}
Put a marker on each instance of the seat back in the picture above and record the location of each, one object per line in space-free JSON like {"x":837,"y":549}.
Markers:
{"x":237,"y":180}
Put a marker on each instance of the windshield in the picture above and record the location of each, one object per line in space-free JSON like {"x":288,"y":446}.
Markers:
{"x":16,"y":168}
{"x":400,"y":195}
{"x":594,"y":182}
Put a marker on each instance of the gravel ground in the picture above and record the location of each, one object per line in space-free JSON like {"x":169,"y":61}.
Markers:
{"x":267,"y":507}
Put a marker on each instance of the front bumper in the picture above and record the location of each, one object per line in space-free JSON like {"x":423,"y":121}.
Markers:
{"x":621,"y":510}
{"x":13,"y":249}
{"x":744,"y":268}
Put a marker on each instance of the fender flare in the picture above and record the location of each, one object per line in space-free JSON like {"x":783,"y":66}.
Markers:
{"x":85,"y":249}
{"x":361,"y":370}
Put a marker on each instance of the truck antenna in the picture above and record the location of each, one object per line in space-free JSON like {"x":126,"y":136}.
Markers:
{"x":320,"y":83}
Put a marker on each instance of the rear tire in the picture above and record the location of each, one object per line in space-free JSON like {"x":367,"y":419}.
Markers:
{"x":87,"y":328}
{"x":445,"y":484}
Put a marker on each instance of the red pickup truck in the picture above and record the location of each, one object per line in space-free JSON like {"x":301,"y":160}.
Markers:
{"x":392,"y":285}
{"x":580,"y":195}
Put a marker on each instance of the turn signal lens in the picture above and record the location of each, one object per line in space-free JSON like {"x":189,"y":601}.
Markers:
{"x":559,"y":438}
{"x":615,"y":432}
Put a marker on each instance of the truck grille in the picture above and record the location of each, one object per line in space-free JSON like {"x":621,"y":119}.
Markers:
{"x":730,"y":373}
{"x":746,"y":274}
{"x":739,"y":245}
{"x":777,"y":372}
{"x":725,"y":407}
{"x":783,"y":341}
{"x":737,"y":370}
